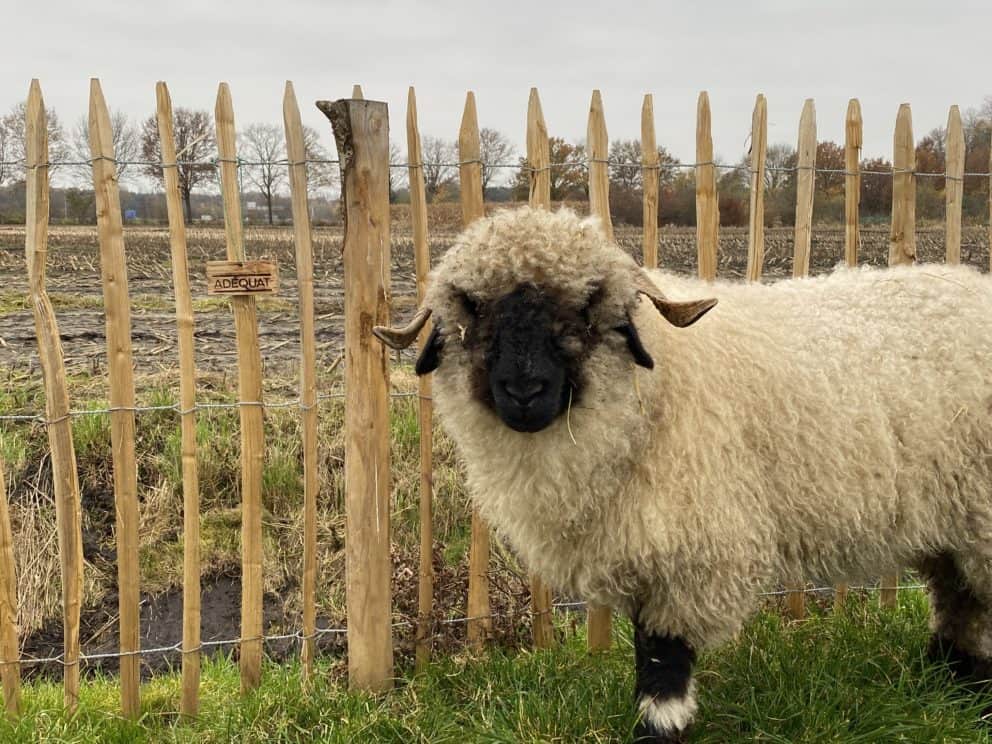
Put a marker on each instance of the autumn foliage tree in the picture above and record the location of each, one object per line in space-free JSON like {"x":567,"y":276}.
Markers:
{"x":567,"y":173}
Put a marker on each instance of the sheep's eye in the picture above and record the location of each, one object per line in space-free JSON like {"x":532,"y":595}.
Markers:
{"x":471,"y":306}
{"x":595,"y":298}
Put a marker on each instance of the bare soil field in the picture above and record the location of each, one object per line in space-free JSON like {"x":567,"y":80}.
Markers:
{"x":74,"y":284}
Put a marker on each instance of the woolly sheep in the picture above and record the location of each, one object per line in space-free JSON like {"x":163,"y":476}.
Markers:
{"x":834,"y":428}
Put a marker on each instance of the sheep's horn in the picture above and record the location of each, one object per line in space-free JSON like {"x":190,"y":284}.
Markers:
{"x":400,"y":338}
{"x":679,"y":314}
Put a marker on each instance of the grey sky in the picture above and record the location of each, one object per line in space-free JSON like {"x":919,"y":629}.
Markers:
{"x":929,"y":54}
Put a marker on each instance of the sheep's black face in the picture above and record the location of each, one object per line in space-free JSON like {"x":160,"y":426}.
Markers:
{"x":526,"y":351}
{"x":527,"y":369}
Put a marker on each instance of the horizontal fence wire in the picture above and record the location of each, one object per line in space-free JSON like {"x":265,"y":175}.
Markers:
{"x":176,"y":407}
{"x":583,"y":164}
{"x":299,"y":636}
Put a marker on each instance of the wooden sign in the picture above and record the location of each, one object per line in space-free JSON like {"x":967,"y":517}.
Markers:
{"x":241,"y":278}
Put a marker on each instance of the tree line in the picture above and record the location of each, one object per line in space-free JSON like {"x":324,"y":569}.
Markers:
{"x":505,"y":174}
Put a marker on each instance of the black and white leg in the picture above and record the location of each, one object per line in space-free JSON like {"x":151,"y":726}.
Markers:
{"x":665,"y":691}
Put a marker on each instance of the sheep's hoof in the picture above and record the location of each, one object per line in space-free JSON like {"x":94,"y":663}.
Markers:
{"x":645,"y":733}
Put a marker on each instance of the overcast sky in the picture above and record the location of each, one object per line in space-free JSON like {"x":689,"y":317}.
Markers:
{"x":931,"y":54}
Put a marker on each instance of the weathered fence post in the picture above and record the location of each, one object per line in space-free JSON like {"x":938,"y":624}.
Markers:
{"x":10,"y":671}
{"x":250,"y":397}
{"x":805,"y":180}
{"x":599,"y":619}
{"x":189,"y":704}
{"x":954,"y":185}
{"x":120,"y":366}
{"x":65,"y":478}
{"x":853,"y":137}
{"x":473,"y":207}
{"x":902,"y":238}
{"x":707,"y":203}
{"x":296,"y":153}
{"x":649,"y":183}
{"x":361,"y":131}
{"x":425,"y":411}
{"x":539,"y":163}
{"x":756,"y":219}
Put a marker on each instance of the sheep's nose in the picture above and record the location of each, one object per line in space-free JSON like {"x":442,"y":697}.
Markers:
{"x":524,"y":391}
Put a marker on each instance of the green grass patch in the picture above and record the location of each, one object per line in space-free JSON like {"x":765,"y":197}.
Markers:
{"x":854,"y":676}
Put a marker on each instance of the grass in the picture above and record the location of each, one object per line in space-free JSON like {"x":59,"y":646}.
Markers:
{"x":854,"y":676}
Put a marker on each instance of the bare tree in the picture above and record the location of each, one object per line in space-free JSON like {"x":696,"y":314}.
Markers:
{"x":127,"y":143}
{"x":13,"y":148}
{"x":626,"y":169}
{"x":321,"y":173}
{"x":494,"y":149}
{"x":263,"y":146}
{"x":195,"y":146}
{"x":439,"y":172}
{"x":625,"y":157}
{"x":397,"y":174}
{"x":777,"y":158}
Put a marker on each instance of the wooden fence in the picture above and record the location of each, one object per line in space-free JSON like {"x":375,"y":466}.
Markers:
{"x":361,"y":129}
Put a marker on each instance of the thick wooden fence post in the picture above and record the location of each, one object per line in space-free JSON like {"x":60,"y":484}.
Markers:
{"x":795,"y":600}
{"x":361,"y":130}
{"x":649,"y":183}
{"x":425,"y":411}
{"x":902,"y":238}
{"x":65,"y":478}
{"x":189,"y":703}
{"x":707,"y":204}
{"x":10,"y":671}
{"x":250,"y":396}
{"x":473,"y":207}
{"x":954,"y":185}
{"x":120,"y":366}
{"x":599,"y":619}
{"x":756,"y":218}
{"x":296,"y":153}
{"x":853,"y":137}
{"x":539,"y":162}
{"x":805,"y":180}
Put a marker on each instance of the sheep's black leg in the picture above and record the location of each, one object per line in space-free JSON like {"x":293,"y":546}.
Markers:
{"x":665,"y":692}
{"x":959,"y":619}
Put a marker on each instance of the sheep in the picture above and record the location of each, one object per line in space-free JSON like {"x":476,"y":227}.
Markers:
{"x":671,"y":458}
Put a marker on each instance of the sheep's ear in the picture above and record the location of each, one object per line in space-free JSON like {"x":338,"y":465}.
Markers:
{"x":637,"y":350}
{"x":430,"y":355}
{"x":400,"y":338}
{"x":679,"y":314}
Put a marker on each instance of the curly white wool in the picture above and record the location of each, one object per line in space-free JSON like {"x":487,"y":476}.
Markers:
{"x":836,"y":427}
